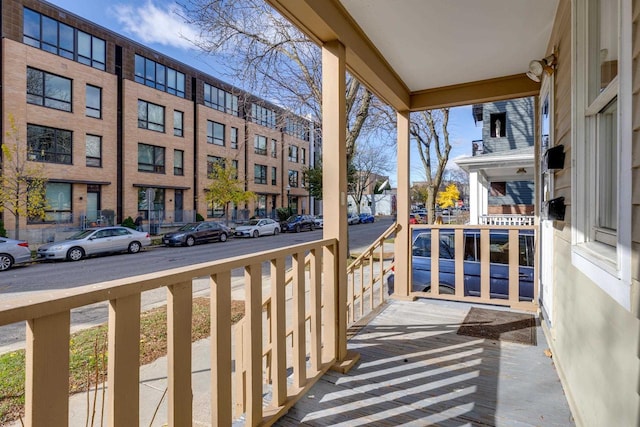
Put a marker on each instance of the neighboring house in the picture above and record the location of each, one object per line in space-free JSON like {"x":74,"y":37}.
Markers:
{"x":501,"y":169}
{"x":121,"y":128}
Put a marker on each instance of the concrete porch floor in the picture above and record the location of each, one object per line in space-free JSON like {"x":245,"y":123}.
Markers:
{"x":415,"y":370}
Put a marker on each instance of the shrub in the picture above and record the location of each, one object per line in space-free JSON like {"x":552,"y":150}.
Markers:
{"x":199,"y":217}
{"x":283,"y":214}
{"x":129,"y":222}
{"x":3,"y":232}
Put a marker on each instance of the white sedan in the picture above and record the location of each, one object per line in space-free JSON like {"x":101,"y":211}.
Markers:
{"x":257,"y":228}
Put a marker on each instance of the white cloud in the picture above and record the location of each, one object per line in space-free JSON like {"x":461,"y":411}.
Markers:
{"x":154,"y":24}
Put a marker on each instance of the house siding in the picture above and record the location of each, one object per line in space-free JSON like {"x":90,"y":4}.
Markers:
{"x":595,"y":341}
{"x":519,"y":125}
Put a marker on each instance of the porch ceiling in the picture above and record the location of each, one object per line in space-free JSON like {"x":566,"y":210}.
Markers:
{"x":419,"y":54}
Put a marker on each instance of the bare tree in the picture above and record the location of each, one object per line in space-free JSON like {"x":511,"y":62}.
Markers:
{"x":255,"y":44}
{"x":368,"y":163}
{"x":429,"y":129}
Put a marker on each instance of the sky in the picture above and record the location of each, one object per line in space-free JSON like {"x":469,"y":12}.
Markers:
{"x":155,"y":24}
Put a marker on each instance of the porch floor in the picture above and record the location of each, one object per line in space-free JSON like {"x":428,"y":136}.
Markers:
{"x":415,"y":370}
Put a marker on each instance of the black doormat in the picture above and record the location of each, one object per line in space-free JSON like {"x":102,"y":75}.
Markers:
{"x":499,"y":325}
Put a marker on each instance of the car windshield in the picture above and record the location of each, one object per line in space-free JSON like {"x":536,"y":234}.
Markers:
{"x":252,"y":222}
{"x":80,"y":235}
{"x":188,"y":227}
{"x":294,"y":218}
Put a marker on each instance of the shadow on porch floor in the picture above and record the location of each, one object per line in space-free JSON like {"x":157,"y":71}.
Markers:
{"x":416,"y":370}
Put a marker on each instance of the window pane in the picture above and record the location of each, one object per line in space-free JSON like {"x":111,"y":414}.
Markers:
{"x":94,"y":101}
{"x":66,"y":38}
{"x":84,"y":48}
{"x":139,"y":69}
{"x":603,"y":45}
{"x":608,"y":166}
{"x":31,"y":26}
{"x":50,"y":32}
{"x":99,"y":53}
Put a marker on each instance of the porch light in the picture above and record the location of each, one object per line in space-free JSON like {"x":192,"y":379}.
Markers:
{"x":520,"y":171}
{"x":537,"y":67}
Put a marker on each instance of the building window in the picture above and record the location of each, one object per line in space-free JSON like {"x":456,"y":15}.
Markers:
{"x":498,"y":189}
{"x":293,"y":178}
{"x":53,"y":36}
{"x":49,"y":145}
{"x":260,"y":145}
{"x":235,"y":165}
{"x":303,"y":156}
{"x":150,"y":158}
{"x":220,"y":100}
{"x":498,"y":123}
{"x":93,"y":101}
{"x":274,"y":148}
{"x":260,"y":173}
{"x":215,"y":133}
{"x":178,"y":162}
{"x":293,"y":154}
{"x":234,"y":137}
{"x":48,"y":90}
{"x":158,"y":76}
{"x":150,"y":116}
{"x":261,"y":206}
{"x":178,"y":123}
{"x":155,"y":204}
{"x":215,"y":210}
{"x":263,"y":116}
{"x":212,"y":161}
{"x":93,"y":145}
{"x":297,"y":128}
{"x":59,"y":206}
{"x":274,"y":175}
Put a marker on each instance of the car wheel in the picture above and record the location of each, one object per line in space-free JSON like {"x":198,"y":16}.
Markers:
{"x":190,"y":241}
{"x":75,"y":254}
{"x":298,"y":228}
{"x":444,"y":289}
{"x":256,"y":233}
{"x":223,"y":237}
{"x":276,"y":231}
{"x":134,"y":247}
{"x":5,"y":262}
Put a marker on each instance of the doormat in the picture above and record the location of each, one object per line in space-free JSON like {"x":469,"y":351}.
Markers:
{"x":500,"y":326}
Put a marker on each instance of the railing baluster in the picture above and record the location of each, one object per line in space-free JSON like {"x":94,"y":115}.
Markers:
{"x":220,"y":312}
{"x":485,"y":257}
{"x":179,"y":316}
{"x":253,"y":342}
{"x":124,"y":361}
{"x":315,"y":303}
{"x":299,"y":336}
{"x":435,"y":261}
{"x":514,"y":267}
{"x":361,"y":289}
{"x":47,"y":371}
{"x":278,"y":332}
{"x":459,"y":262}
{"x":240,"y":403}
{"x":329,"y":298}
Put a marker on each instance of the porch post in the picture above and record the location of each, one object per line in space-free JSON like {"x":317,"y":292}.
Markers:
{"x":474,"y":198}
{"x":401,"y":249}
{"x":334,"y":190}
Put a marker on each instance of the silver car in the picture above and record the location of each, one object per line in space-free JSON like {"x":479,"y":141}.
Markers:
{"x":13,"y":252}
{"x":257,"y":228}
{"x":94,"y":241}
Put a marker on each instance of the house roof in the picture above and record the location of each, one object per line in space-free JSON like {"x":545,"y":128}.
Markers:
{"x":502,"y":166}
{"x":418,"y":54}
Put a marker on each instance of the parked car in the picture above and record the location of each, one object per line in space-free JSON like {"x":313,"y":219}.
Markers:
{"x":13,"y":252}
{"x":498,"y":267}
{"x":95,"y":241}
{"x":319,"y":221}
{"x":257,"y":228}
{"x":197,"y":232}
{"x":414,"y":219}
{"x":366,"y":218}
{"x":353,"y":218}
{"x":298,"y":223}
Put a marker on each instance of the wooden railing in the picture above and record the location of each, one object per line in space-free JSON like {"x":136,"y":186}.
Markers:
{"x":507,"y":219}
{"x":365,"y":278}
{"x":511,"y":259}
{"x":48,"y":331}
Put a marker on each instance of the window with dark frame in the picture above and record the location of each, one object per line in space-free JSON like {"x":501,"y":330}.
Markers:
{"x":260,"y":174}
{"x":498,"y":122}
{"x":215,"y":133}
{"x":293,"y":178}
{"x":293,"y":153}
{"x":93,"y":101}
{"x":151,"y":158}
{"x":274,"y":148}
{"x":150,"y":116}
{"x":158,"y":76}
{"x":220,"y":100}
{"x":212,"y":161}
{"x":260,"y":145}
{"x":274,"y":175}
{"x":48,"y":90}
{"x":93,"y":151}
{"x":49,"y":145}
{"x":178,"y":162}
{"x":178,"y":123}
{"x":233,"y":139}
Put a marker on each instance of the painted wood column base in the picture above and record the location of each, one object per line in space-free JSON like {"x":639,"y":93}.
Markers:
{"x":403,"y":297}
{"x":349,"y":362}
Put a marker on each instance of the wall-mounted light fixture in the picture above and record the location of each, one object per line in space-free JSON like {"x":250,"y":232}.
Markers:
{"x":520,"y":171}
{"x":539,"y":66}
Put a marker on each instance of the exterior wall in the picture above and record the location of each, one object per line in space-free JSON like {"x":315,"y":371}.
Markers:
{"x":519,"y":125}
{"x":635,"y":161}
{"x":595,"y":341}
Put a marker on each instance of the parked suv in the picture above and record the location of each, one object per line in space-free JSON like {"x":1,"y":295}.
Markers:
{"x":299,"y":222}
{"x":498,"y":267}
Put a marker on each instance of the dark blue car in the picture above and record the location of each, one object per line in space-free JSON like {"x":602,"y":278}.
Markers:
{"x":365,"y":218}
{"x":298,"y":223}
{"x":498,"y":268}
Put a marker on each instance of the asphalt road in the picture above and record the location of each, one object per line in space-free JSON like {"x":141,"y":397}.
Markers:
{"x":22,"y":281}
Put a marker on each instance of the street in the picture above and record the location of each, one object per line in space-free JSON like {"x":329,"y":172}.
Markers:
{"x":21,"y":281}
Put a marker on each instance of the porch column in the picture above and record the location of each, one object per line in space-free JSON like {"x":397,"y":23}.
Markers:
{"x":474,"y":198}
{"x":334,"y":192}
{"x":401,"y":249}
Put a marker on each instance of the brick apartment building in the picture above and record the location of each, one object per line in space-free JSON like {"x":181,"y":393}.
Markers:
{"x":113,"y":123}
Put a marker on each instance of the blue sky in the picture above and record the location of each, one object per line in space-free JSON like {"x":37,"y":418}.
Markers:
{"x":155,"y":24}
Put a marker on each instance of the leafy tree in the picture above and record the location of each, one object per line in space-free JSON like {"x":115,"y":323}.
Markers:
{"x":449,"y":196}
{"x":23,"y":190}
{"x":225,"y":187}
{"x":429,"y":129}
{"x":312,"y":179}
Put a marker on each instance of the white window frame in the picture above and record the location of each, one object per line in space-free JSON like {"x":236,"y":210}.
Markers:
{"x":609,"y":267}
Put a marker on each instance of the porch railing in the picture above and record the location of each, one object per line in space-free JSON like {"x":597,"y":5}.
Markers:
{"x":365,"y":278}
{"x":47,"y":317}
{"x":507,"y":219}
{"x":510,"y":259}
